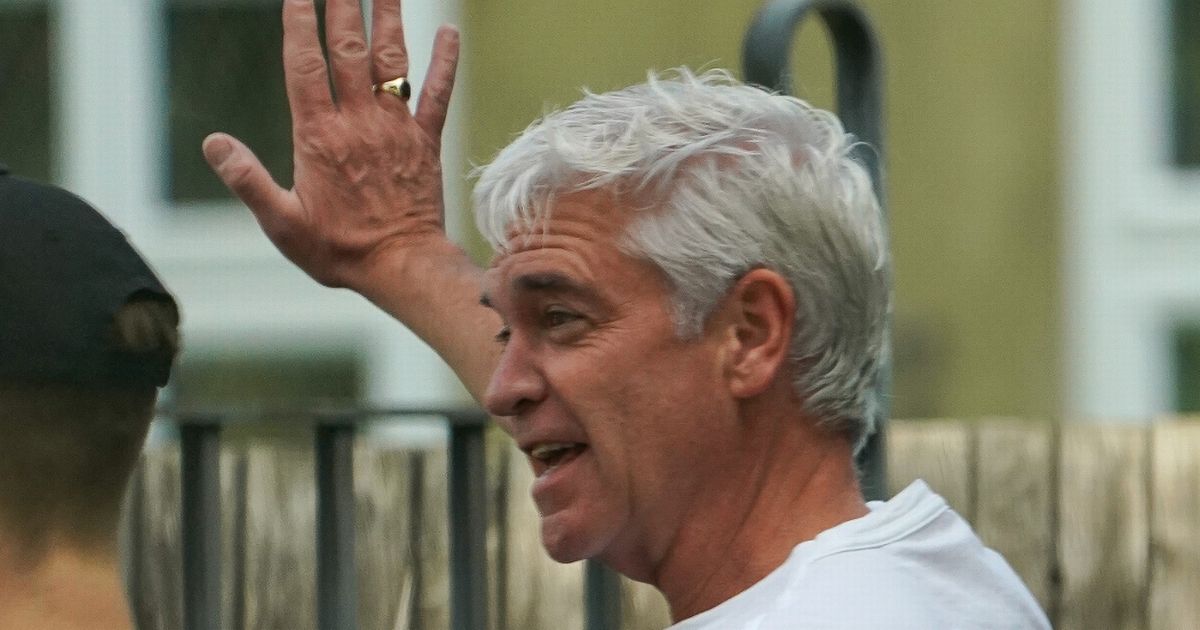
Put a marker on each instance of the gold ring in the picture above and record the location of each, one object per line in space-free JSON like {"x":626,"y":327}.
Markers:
{"x":398,"y":86}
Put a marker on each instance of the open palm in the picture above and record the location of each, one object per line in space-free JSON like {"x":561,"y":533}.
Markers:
{"x":367,"y":170}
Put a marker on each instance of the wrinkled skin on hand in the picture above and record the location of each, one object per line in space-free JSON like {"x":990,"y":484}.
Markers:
{"x":368,"y":176}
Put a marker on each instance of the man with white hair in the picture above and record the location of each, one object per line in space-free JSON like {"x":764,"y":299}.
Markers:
{"x":682,"y":328}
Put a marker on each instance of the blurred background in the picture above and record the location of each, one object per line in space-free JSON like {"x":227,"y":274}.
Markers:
{"x":1043,"y":178}
{"x":1043,"y":173}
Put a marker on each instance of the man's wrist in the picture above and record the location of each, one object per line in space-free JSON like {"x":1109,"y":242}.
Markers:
{"x":402,"y":270}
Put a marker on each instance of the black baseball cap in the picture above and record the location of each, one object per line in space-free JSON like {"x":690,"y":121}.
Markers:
{"x":65,"y":271}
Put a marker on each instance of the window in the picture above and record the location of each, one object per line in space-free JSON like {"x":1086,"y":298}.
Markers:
{"x":25,"y":132}
{"x":1186,"y":353}
{"x":225,"y":74}
{"x":1185,"y":81}
{"x":247,"y":383}
{"x":287,"y":380}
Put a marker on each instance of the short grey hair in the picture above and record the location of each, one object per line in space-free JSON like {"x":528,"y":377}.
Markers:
{"x":726,"y":178}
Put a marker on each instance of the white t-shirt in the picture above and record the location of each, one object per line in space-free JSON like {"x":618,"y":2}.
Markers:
{"x":911,"y":563}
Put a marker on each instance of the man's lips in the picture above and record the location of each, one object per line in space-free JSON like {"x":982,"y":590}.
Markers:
{"x":547,"y":456}
{"x":556,"y":471}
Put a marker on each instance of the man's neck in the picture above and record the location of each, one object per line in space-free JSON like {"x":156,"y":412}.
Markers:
{"x":800,"y":482}
{"x":65,"y":590}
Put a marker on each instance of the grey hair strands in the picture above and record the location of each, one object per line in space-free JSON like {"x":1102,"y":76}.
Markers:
{"x":724,"y":177}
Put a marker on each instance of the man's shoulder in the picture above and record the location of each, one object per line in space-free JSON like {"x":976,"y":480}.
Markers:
{"x":863,"y":588}
{"x":919,"y":567}
{"x":910,"y":563}
{"x":875,"y":589}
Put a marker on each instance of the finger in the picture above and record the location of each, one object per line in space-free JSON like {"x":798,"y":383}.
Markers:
{"x":439,"y":83}
{"x":347,"y":44}
{"x":245,"y":175}
{"x":303,"y":64}
{"x":389,"y":56}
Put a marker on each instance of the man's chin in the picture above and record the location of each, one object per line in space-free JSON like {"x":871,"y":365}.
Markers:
{"x":566,"y":549}
{"x":566,"y":542}
{"x":563,"y":555}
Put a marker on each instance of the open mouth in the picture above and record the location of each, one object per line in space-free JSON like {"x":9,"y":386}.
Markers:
{"x":550,"y":455}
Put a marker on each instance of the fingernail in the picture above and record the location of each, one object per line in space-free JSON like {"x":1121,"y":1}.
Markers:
{"x":217,"y":150}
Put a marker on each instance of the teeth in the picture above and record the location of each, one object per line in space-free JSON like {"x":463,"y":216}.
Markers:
{"x":547,"y":450}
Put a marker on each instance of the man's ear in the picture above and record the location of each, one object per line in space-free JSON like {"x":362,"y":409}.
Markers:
{"x":759,"y":311}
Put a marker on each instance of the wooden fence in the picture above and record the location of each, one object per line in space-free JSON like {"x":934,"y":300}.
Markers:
{"x":1102,"y":522}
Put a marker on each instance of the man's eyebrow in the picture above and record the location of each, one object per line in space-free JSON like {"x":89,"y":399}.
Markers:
{"x":547,"y":282}
{"x":552,"y":282}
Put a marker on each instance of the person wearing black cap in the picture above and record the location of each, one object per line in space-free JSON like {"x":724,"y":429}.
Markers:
{"x":87,"y":336}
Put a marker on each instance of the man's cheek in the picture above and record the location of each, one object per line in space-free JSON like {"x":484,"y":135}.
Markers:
{"x":505,"y":423}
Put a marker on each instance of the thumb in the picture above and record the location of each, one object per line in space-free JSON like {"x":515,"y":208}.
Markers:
{"x":245,"y":175}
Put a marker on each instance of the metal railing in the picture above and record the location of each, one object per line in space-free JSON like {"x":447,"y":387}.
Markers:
{"x":766,"y":53}
{"x":334,"y":433}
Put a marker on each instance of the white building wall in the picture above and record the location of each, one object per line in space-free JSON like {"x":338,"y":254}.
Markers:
{"x":1133,"y":217}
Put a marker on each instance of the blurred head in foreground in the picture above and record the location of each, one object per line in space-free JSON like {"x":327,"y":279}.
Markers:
{"x":87,"y":336}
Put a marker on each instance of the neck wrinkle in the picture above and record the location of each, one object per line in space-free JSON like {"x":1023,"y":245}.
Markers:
{"x":801,"y":483}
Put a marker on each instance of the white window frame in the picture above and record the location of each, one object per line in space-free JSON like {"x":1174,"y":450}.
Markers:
{"x":1132,"y":216}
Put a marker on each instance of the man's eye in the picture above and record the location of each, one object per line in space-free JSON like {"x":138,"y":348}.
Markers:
{"x":503,"y":336}
{"x":557,"y":317}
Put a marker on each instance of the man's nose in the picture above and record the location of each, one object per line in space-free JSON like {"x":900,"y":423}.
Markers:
{"x":516,"y":384}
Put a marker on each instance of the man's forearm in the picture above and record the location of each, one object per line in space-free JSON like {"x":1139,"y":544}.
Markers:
{"x":434,"y":290}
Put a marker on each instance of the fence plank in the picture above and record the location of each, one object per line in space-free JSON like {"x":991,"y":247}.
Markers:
{"x":129,"y":538}
{"x":159,"y":604}
{"x":542,"y":593}
{"x":643,"y":607}
{"x":233,"y":536}
{"x":1175,"y":526}
{"x":939,"y":451}
{"x":1014,"y":499}
{"x":499,"y":450}
{"x":433,"y":543}
{"x":280,"y":588}
{"x":1103,"y":527}
{"x":383,"y":506}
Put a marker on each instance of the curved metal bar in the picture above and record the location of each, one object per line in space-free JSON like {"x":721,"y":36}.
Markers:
{"x":200,"y":522}
{"x":602,"y":597}
{"x":467,"y":470}
{"x":336,"y":570}
{"x":766,"y":53}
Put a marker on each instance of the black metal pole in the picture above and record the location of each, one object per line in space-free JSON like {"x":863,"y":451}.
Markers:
{"x":766,"y":52}
{"x":468,"y":523}
{"x":336,"y":588}
{"x":602,"y":597}
{"x":200,"y":480}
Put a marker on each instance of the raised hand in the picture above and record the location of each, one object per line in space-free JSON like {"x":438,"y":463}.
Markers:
{"x":366,"y":210}
{"x":368,"y":177}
